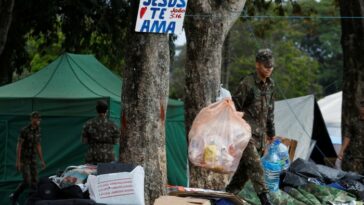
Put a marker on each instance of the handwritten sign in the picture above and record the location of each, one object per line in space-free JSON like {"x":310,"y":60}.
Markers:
{"x":161,"y":16}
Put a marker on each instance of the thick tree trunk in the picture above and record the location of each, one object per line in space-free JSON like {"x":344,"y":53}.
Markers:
{"x":352,"y":41}
{"x":206,"y":29}
{"x":144,"y":102}
{"x":6,"y":14}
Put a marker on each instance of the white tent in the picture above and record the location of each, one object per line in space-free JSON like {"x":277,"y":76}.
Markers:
{"x":331,"y":111}
{"x":300,"y":119}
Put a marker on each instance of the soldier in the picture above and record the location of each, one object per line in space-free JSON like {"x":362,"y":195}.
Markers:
{"x":351,"y":151}
{"x":100,"y":134}
{"x":26,"y":162}
{"x":255,"y":98}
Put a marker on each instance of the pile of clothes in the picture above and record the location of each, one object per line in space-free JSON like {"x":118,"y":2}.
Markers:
{"x":306,"y":183}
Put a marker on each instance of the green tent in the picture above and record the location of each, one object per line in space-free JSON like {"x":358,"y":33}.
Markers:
{"x":65,"y":92}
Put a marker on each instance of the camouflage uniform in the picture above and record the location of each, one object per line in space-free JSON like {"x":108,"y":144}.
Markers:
{"x":255,"y":99}
{"x":100,"y":134}
{"x":354,"y":156}
{"x":29,"y":139}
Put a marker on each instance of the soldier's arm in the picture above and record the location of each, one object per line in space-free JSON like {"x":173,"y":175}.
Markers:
{"x":40,"y":154}
{"x":346,"y":142}
{"x":84,"y":135}
{"x":270,"y":120}
{"x":19,"y":150}
{"x":240,"y":95}
{"x":18,"y":153}
{"x":344,"y":145}
{"x":116,"y":134}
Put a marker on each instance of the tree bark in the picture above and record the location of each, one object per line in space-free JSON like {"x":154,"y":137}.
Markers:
{"x":352,"y":41}
{"x":206,"y":28}
{"x":6,"y":14}
{"x":144,"y":102}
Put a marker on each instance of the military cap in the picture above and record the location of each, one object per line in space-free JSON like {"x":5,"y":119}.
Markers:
{"x":35,"y":114}
{"x":265,"y":56}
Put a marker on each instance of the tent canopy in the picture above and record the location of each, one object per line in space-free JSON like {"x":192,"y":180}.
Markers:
{"x":65,"y":92}
{"x":301,"y":119}
{"x":72,"y":79}
{"x":331,"y":111}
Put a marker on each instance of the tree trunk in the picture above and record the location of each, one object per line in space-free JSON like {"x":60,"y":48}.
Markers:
{"x":6,"y":14}
{"x":226,"y":62}
{"x":144,"y":102}
{"x":6,"y":71}
{"x":352,"y":41}
{"x":206,"y":28}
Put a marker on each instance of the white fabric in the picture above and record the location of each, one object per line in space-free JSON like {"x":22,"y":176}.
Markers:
{"x":294,"y":120}
{"x":330,"y":107}
{"x":122,"y":188}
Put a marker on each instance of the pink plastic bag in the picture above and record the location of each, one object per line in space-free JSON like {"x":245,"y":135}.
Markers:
{"x":218,"y":137}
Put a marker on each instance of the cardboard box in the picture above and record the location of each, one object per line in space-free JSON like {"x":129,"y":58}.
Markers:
{"x":174,"y":200}
{"x":208,"y":194}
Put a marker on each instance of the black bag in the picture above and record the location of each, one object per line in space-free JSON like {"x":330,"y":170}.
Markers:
{"x":71,"y":192}
{"x":107,"y":168}
{"x":48,"y":190}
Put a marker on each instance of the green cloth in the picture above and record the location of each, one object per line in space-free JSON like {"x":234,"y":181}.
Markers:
{"x":279,"y":197}
{"x":310,"y":194}
{"x":65,"y":92}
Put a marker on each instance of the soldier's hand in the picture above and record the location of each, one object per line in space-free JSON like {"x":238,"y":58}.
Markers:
{"x":270,"y":139}
{"x":43,"y":165}
{"x":18,"y":166}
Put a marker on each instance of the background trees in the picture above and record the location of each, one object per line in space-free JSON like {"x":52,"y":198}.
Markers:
{"x":6,"y":15}
{"x":307,"y":48}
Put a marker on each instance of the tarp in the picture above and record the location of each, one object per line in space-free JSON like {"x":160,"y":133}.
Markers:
{"x":301,"y":119}
{"x":331,"y":107}
{"x":65,"y":92}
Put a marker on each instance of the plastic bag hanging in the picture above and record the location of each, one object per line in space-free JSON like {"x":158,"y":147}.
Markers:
{"x":218,"y":137}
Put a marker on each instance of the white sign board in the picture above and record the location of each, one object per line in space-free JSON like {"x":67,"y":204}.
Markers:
{"x":161,"y":16}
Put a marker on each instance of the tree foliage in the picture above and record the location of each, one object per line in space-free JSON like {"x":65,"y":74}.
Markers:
{"x":307,"y":48}
{"x":40,"y":35}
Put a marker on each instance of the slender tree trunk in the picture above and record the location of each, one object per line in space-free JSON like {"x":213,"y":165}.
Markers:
{"x":206,"y":29}
{"x":352,"y":41}
{"x":226,"y":62}
{"x":6,"y":71}
{"x":144,"y":102}
{"x":6,"y":15}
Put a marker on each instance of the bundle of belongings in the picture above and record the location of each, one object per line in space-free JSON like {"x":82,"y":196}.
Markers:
{"x":218,"y":137}
{"x":106,"y":183}
{"x":307,"y":183}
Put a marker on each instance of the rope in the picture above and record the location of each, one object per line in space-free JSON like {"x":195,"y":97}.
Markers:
{"x":277,"y":17}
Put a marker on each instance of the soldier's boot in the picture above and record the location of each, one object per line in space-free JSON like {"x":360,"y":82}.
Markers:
{"x":232,"y":190}
{"x":13,"y":199}
{"x":14,"y":196}
{"x":264,"y":199}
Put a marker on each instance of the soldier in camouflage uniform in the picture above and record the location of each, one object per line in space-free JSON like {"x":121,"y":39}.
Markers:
{"x":26,"y":162}
{"x":351,"y":152}
{"x":255,"y":98}
{"x":100,"y":134}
